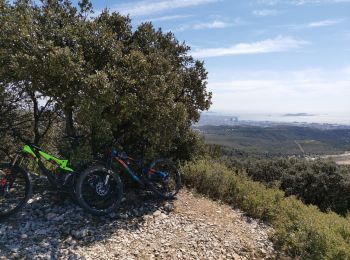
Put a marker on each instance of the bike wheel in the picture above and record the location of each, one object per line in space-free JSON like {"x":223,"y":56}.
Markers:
{"x":164,"y":178}
{"x":94,"y":194}
{"x":73,"y":177}
{"x":15,"y":189}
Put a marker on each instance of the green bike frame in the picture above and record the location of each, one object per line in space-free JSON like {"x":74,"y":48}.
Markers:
{"x":61,"y":163}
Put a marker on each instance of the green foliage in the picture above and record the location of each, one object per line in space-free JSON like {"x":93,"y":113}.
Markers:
{"x":300,"y":230}
{"x":98,"y":77}
{"x":320,"y":182}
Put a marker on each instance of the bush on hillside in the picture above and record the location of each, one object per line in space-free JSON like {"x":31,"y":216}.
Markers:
{"x":301,"y":230}
{"x":320,"y":182}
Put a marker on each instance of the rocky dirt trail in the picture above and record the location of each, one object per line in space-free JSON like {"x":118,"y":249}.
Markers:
{"x":191,"y":227}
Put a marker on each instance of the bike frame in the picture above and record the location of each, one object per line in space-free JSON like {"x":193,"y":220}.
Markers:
{"x":37,"y":153}
{"x":124,"y":160}
{"x":61,"y":163}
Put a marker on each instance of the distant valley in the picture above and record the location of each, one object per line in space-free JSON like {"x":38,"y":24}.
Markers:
{"x":279,"y":139}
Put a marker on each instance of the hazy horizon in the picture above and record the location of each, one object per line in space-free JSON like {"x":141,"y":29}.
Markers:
{"x":342,"y":118}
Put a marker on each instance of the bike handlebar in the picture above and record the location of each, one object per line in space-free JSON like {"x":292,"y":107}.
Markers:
{"x":116,"y":153}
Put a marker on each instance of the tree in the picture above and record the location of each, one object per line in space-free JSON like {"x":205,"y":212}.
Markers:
{"x":22,"y":53}
{"x":140,"y":88}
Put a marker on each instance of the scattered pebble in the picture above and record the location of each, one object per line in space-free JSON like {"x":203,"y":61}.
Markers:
{"x":190,"y":227}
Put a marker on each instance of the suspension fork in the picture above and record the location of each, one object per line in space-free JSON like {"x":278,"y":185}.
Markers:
{"x":107,"y":179}
{"x":109,"y":169}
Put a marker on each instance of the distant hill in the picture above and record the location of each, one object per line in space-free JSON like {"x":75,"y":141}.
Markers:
{"x":278,"y":140}
{"x":273,"y":121}
{"x":298,"y":114}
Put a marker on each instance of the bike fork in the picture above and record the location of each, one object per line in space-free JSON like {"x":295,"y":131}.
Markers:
{"x":107,"y":178}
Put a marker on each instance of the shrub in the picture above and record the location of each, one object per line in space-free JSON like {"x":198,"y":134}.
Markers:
{"x":300,"y":230}
{"x":320,"y":182}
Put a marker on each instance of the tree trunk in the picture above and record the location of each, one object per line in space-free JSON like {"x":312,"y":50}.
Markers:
{"x":68,"y":111}
{"x":36,"y":118}
{"x":93,"y":142}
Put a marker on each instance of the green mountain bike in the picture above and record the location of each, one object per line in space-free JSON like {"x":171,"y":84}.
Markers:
{"x":16,"y":183}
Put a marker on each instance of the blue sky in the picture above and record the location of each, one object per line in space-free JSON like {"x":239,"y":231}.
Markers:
{"x":263,"y":56}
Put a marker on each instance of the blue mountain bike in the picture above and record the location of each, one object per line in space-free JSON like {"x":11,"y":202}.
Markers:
{"x":99,"y":189}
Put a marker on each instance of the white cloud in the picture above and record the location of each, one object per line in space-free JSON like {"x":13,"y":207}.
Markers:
{"x":315,"y":24}
{"x":347,"y":71}
{"x":213,"y":25}
{"x":324,"y":23}
{"x":269,"y":2}
{"x":148,"y":7}
{"x":216,"y":24}
{"x":309,"y":90}
{"x":301,"y":2}
{"x":162,"y":18}
{"x":266,"y":12}
{"x":167,"y":18}
{"x":278,"y":44}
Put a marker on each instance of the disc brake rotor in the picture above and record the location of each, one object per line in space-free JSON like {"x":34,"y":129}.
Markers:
{"x":101,"y":189}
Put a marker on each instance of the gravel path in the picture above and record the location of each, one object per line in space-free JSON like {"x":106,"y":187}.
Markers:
{"x":191,"y":227}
